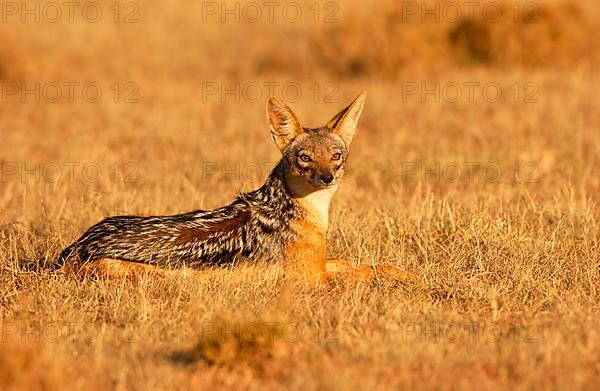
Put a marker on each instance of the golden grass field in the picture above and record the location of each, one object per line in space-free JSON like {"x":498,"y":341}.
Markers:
{"x":508,"y":249}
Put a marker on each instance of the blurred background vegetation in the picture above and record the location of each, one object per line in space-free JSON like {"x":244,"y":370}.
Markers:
{"x":346,"y":39}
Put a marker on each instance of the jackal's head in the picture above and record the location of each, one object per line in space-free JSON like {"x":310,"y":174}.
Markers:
{"x":314,"y":156}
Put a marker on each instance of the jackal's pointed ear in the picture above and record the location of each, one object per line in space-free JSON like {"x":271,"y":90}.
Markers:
{"x":344,"y":123}
{"x":283,"y":122}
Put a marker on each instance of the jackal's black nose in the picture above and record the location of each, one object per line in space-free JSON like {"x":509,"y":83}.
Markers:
{"x":326,"y":178}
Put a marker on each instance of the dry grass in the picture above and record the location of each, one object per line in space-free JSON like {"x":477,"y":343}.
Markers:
{"x":510,"y":269}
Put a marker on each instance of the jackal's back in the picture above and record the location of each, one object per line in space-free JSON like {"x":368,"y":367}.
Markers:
{"x":254,"y":227}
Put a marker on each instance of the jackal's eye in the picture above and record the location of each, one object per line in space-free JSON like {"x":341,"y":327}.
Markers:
{"x":305,"y":158}
{"x":336,"y":156}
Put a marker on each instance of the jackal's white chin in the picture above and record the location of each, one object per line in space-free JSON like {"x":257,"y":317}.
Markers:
{"x":320,"y":185}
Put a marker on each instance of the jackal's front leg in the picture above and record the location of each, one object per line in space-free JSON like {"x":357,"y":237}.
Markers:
{"x":306,"y":257}
{"x":343,"y":268}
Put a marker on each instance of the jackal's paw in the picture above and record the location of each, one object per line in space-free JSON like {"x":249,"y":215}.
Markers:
{"x":337,"y":265}
{"x":391,"y":272}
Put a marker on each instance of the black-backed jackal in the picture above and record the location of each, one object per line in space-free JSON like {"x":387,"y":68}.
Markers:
{"x":284,"y":220}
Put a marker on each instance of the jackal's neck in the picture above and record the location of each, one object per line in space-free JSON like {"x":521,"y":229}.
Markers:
{"x":313,"y":201}
{"x":289,"y":197}
{"x":273,"y":197}
{"x":316,"y":204}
